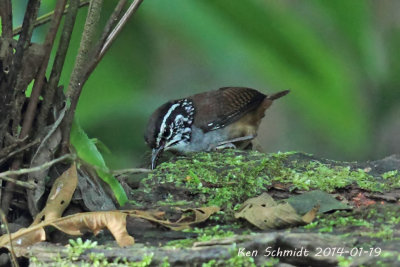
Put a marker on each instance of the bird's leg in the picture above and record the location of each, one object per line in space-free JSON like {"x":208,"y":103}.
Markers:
{"x":230,"y":143}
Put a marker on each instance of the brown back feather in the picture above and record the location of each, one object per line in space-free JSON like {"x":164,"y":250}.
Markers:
{"x":216,"y":109}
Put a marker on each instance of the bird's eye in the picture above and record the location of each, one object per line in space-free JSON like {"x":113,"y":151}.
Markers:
{"x":167,"y":132}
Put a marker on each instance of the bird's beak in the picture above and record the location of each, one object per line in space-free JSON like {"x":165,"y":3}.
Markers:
{"x":155,"y":154}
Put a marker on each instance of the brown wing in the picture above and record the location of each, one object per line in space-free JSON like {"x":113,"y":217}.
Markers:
{"x":216,"y":109}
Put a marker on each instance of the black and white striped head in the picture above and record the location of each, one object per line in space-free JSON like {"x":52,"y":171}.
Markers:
{"x":170,"y":126}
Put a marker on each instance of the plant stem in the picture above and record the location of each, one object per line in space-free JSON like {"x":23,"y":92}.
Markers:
{"x":106,"y":32}
{"x":36,"y":168}
{"x":15,"y":82}
{"x":75,"y":85}
{"x":6,"y":18}
{"x":58,"y":62}
{"x":47,"y":17}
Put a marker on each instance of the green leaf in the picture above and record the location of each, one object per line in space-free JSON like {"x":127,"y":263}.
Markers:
{"x":88,"y":152}
{"x":305,"y":202}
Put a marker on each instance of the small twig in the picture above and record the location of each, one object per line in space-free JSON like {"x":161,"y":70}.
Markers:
{"x":23,"y":40}
{"x":27,"y":185}
{"x":12,"y":252}
{"x":37,"y":168}
{"x":16,"y":82}
{"x":40,"y":78}
{"x":6,"y":18}
{"x":131,"y":10}
{"x":112,"y":21}
{"x":14,"y":143}
{"x":75,"y":85}
{"x":19,"y":150}
{"x":47,"y":17}
{"x":37,"y":87}
{"x":59,"y":60}
{"x":50,"y":132}
{"x":130,"y":171}
{"x":106,"y":32}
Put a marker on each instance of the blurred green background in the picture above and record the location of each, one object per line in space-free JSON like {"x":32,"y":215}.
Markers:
{"x":340,"y":59}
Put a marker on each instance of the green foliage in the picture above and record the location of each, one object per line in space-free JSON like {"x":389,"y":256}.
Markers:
{"x":88,"y":152}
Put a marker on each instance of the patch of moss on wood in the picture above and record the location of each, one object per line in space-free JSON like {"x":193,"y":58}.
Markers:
{"x":229,"y":177}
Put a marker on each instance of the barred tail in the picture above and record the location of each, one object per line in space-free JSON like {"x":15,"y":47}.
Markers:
{"x":278,"y":95}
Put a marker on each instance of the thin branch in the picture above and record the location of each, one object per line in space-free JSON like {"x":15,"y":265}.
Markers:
{"x":15,"y":82}
{"x":23,"y":41}
{"x":75,"y":85}
{"x":54,"y":127}
{"x":37,"y":87}
{"x":47,"y":17}
{"x":112,"y":21}
{"x":59,"y":60}
{"x":40,"y":78}
{"x":37,"y":168}
{"x":131,"y":10}
{"x":15,"y":142}
{"x":6,"y":18}
{"x":19,"y":150}
{"x":111,"y":37}
{"x":12,"y":252}
{"x":106,"y":32}
{"x":28,"y":185}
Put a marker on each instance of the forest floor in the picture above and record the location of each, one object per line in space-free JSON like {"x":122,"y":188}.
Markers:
{"x":354,"y":209}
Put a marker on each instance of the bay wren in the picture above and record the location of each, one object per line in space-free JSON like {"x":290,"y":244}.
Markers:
{"x":226,"y":117}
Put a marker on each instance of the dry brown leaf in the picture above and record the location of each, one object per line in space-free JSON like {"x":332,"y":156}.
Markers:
{"x":201,"y":214}
{"x":75,"y":224}
{"x":23,"y":238}
{"x":115,"y":221}
{"x":265,"y":213}
{"x":60,"y":196}
{"x":78,"y":224}
{"x":310,"y":216}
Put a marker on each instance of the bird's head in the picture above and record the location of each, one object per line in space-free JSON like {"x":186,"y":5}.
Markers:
{"x":169,"y":127}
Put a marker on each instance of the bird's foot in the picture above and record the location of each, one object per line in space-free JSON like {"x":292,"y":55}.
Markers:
{"x":230,"y":143}
{"x":223,"y":146}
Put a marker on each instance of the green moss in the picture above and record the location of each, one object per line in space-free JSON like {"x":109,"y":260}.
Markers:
{"x":392,"y":179}
{"x":229,"y":177}
{"x":377,"y":223}
{"x":222,"y":179}
{"x":233,"y":261}
{"x":344,"y":261}
{"x":203,"y":234}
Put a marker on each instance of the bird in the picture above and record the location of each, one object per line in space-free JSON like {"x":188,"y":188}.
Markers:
{"x":227,"y":117}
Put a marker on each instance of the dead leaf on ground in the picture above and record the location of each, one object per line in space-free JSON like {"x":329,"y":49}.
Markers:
{"x":201,"y":214}
{"x":265,"y":213}
{"x":60,"y":196}
{"x":76,"y":224}
{"x":114,"y":221}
